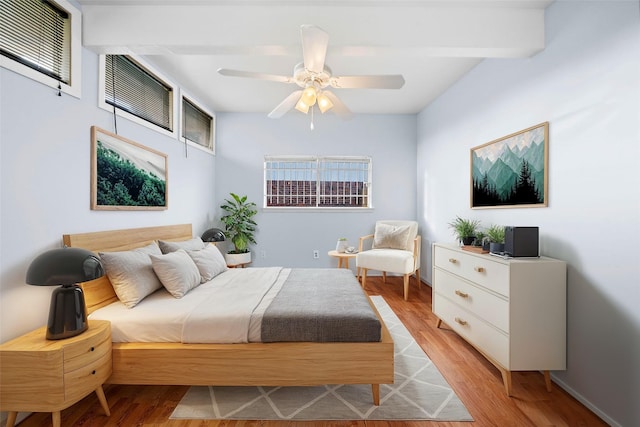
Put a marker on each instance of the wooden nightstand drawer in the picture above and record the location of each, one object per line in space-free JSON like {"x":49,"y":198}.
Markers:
{"x":82,"y":353}
{"x":490,"y":307}
{"x":80,"y":382}
{"x":480,"y":334}
{"x":480,"y":269}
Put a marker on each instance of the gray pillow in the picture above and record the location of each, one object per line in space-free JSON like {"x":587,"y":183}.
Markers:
{"x":210,"y":262}
{"x":177,"y":272}
{"x":391,"y":236}
{"x":131,"y":273}
{"x":188,"y":245}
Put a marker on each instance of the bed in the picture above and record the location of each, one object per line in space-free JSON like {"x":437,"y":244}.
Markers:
{"x":244,"y":364}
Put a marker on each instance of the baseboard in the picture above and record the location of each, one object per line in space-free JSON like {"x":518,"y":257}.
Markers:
{"x":580,"y":398}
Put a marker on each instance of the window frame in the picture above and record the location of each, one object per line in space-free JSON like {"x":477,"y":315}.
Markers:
{"x":318,"y":159}
{"x":74,"y":88}
{"x":102,"y":103}
{"x":184,"y":94}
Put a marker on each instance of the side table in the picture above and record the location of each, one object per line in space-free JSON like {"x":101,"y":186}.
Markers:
{"x":343,"y":258}
{"x":40,"y":375}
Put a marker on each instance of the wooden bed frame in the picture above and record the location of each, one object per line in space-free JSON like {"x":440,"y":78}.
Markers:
{"x":252,"y":364}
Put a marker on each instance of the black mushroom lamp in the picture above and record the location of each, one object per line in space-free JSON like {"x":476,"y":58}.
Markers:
{"x":66,"y":267}
{"x":213,"y":235}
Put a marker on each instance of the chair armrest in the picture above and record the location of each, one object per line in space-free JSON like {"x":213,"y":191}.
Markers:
{"x":417,"y":244}
{"x":362,"y":240}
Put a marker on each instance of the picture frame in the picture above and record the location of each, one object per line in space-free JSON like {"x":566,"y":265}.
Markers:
{"x":126,"y":175}
{"x":512,"y":171}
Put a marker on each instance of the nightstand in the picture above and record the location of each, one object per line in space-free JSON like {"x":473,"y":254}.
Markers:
{"x":40,"y":375}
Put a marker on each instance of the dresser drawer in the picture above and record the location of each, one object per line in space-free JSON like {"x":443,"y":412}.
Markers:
{"x":82,"y":381}
{"x":84,"y":352}
{"x":479,"y":269}
{"x":490,"y":307}
{"x":489,"y":340}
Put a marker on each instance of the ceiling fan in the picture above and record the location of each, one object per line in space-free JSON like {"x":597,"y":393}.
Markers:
{"x":313,"y":76}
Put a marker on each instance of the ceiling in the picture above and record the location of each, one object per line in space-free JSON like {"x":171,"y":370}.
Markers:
{"x":431,"y":43}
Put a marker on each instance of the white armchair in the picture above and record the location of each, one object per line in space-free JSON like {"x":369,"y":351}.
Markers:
{"x":395,"y":248}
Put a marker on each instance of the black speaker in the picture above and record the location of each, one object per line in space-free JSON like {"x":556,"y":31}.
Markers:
{"x":521,"y":241}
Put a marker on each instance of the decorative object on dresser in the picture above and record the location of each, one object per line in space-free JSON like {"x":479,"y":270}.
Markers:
{"x":521,"y":241}
{"x":464,"y":229}
{"x":512,"y":171}
{"x":126,"y":175}
{"x":65,"y":267}
{"x":495,"y":234}
{"x":513,"y":311}
{"x":40,"y":375}
{"x":395,"y":248}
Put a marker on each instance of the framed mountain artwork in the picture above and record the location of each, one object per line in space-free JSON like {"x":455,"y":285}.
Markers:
{"x":512,"y":171}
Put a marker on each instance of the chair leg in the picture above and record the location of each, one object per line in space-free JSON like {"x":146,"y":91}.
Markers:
{"x":418,"y":277}
{"x":364,"y":278}
{"x":384,"y":277}
{"x":406,"y":287}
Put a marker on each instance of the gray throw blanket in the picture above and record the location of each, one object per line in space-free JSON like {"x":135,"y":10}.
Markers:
{"x":320,"y":305}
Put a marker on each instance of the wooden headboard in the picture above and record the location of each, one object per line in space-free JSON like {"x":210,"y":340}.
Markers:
{"x":99,"y":292}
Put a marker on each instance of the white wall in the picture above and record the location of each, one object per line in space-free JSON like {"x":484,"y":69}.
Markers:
{"x":289,"y":237}
{"x":45,"y":164}
{"x":586,"y":84}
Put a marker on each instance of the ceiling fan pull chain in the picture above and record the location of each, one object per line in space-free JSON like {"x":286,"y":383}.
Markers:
{"x":311,"y":117}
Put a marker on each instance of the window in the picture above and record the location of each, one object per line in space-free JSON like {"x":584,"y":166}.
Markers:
{"x":40,"y":39}
{"x":317,"y":182}
{"x":197,"y":126}
{"x":134,"y":90}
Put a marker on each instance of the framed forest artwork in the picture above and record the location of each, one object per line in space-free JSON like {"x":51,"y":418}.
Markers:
{"x":512,"y":171}
{"x":126,"y":175}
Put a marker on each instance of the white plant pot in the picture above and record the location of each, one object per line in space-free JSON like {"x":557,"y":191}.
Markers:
{"x":237,"y":259}
{"x":341,"y":246}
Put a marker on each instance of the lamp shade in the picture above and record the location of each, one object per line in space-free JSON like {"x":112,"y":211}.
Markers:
{"x":213,"y":235}
{"x":66,"y":267}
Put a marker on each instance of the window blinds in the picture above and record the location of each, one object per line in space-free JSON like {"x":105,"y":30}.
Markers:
{"x":136,"y":91}
{"x":37,"y":33}
{"x":196,"y":124}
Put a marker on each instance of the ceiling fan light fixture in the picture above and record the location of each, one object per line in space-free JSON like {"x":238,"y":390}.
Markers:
{"x":309,"y":95}
{"x":324,"y":103}
{"x":302,"y":106}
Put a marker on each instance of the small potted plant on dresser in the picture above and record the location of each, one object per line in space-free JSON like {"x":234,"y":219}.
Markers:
{"x":240,"y":228}
{"x":495,"y":233}
{"x":464,"y":229}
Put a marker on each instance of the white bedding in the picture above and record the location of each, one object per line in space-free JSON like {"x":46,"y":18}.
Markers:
{"x":227,"y":309}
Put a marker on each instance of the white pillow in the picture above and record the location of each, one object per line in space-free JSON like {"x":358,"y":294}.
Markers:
{"x":391,"y":236}
{"x":177,"y":272}
{"x":210,"y":262}
{"x":131,"y":273}
{"x":194,"y":244}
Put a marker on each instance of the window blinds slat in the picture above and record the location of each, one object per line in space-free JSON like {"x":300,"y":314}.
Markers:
{"x":138,"y":92}
{"x":196,"y":126}
{"x":36,"y":33}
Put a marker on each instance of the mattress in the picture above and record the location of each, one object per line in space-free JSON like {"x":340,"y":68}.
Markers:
{"x":252,"y":305}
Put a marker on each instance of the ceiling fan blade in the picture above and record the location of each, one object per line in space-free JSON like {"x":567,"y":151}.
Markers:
{"x":390,"y":81}
{"x":286,"y":105}
{"x":338,"y":106}
{"x":314,"y":47}
{"x":252,"y":75}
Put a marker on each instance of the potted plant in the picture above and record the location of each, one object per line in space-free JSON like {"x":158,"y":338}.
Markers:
{"x":240,"y":228}
{"x":495,"y":233}
{"x":481,"y":241}
{"x":464,"y":229}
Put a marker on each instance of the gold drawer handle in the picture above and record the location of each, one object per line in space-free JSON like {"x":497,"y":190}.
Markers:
{"x":460,"y":321}
{"x":453,"y":260}
{"x":461,"y":294}
{"x":479,"y":269}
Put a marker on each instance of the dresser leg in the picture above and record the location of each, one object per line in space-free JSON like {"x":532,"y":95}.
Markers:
{"x":375,"y":390}
{"x":55,"y":418}
{"x":506,"y":379}
{"x":439,"y":323}
{"x":103,"y":400}
{"x":11,"y":419}
{"x":547,"y":380}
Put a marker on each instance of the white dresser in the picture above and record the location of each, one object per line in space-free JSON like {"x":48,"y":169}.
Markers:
{"x":513,"y":311}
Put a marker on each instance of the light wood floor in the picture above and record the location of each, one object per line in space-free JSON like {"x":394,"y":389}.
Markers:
{"x":476,"y":382}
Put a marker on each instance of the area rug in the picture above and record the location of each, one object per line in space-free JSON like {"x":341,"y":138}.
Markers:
{"x":418,"y":393}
